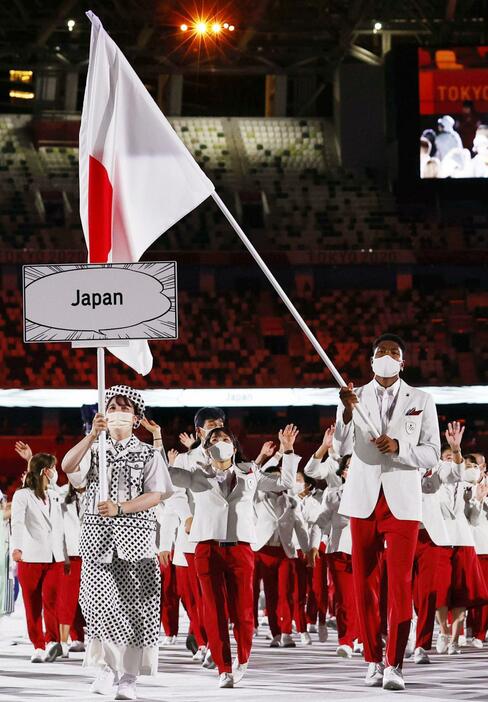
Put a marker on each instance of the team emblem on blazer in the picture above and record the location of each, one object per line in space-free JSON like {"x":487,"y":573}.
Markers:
{"x":410,"y":427}
{"x":250,"y":482}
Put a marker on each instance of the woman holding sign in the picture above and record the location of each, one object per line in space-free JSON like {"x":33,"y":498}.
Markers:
{"x":120,"y":579}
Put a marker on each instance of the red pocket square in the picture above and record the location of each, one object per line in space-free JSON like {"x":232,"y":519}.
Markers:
{"x":413,"y":412}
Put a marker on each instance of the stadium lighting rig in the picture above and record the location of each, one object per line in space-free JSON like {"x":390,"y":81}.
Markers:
{"x":206,"y":27}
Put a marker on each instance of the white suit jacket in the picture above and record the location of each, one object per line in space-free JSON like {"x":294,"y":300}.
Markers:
{"x":171,"y":519}
{"x":191,"y":459}
{"x":230,"y":518}
{"x":72,"y":527}
{"x":456,"y":501}
{"x":183,"y":504}
{"x":477,"y":513}
{"x":399,"y":475}
{"x":37,"y":528}
{"x":332,"y":523}
{"x":436,"y":512}
{"x":283,"y":513}
{"x":324,"y":470}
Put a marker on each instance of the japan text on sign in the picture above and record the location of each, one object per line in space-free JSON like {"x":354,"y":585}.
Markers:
{"x":98,"y":302}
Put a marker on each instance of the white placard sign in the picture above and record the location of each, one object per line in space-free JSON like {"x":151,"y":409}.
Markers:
{"x":100,"y":302}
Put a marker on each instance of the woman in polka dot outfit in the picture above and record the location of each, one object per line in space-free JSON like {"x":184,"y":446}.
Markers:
{"x":120,"y":579}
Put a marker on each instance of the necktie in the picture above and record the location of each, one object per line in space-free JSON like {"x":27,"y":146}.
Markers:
{"x":385,"y":398}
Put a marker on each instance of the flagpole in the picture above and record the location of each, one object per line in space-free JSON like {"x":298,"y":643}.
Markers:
{"x":291,"y":307}
{"x":102,"y":438}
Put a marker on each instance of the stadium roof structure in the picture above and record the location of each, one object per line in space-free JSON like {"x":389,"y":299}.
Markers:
{"x":270,"y":37}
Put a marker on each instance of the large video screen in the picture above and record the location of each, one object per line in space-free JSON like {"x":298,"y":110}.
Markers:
{"x":453,"y":97}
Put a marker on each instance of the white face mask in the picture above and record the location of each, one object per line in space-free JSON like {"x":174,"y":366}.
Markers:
{"x":297,"y":488}
{"x":386,"y":366}
{"x":221,"y":451}
{"x":120,"y":420}
{"x":54,"y":477}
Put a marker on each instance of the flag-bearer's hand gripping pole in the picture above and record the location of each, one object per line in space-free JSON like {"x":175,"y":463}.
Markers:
{"x":291,"y":307}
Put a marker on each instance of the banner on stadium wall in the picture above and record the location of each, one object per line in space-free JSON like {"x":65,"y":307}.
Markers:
{"x":296,"y":258}
{"x":100,"y":302}
{"x":227,"y":397}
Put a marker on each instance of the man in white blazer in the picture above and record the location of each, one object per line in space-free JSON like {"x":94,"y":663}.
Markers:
{"x":383,"y":497}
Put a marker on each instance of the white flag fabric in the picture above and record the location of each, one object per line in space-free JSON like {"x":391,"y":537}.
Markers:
{"x":137,"y":178}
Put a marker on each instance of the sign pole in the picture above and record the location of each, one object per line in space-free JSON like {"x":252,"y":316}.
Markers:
{"x":102,"y":438}
{"x":291,"y":307}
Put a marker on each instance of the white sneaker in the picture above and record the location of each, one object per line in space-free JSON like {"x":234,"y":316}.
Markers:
{"x":39,"y":656}
{"x":374,"y":675}
{"x":312,"y":628}
{"x":104,"y":682}
{"x":453,"y":648}
{"x":305,"y":639}
{"x":420,"y":656}
{"x":287,"y":641}
{"x":126,"y":689}
{"x":53,"y":651}
{"x":65,"y":650}
{"x":358,"y":647}
{"x":275,"y":641}
{"x":323,"y":633}
{"x":344,"y":651}
{"x":226,"y":680}
{"x":169,"y":640}
{"x":77,"y":647}
{"x":393,"y":678}
{"x":476,"y":643}
{"x":199,"y":655}
{"x":209,"y":662}
{"x":238,"y":671}
{"x":462,"y":641}
{"x":442,"y":643}
{"x":410,"y":648}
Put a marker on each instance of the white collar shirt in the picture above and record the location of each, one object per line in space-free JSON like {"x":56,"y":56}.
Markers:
{"x":387,"y":398}
{"x":225,"y":479}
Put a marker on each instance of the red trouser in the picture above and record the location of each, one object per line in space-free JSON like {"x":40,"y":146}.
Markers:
{"x":318,"y":594}
{"x":40,"y":583}
{"x":300,"y":592}
{"x":479,"y":615}
{"x":276,"y":570}
{"x":69,"y":608}
{"x":228,"y":569}
{"x":368,"y":537}
{"x":197,"y":626}
{"x":340,"y":569}
{"x":425,"y":575}
{"x":170,"y":601}
{"x":185,"y":591}
{"x":461,"y":583}
{"x":256,"y":587}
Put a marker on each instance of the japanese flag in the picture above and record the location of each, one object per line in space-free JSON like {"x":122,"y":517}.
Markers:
{"x":137,"y":178}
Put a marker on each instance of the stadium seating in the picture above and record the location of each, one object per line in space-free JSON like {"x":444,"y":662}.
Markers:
{"x":287,"y":167}
{"x":245,"y":339}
